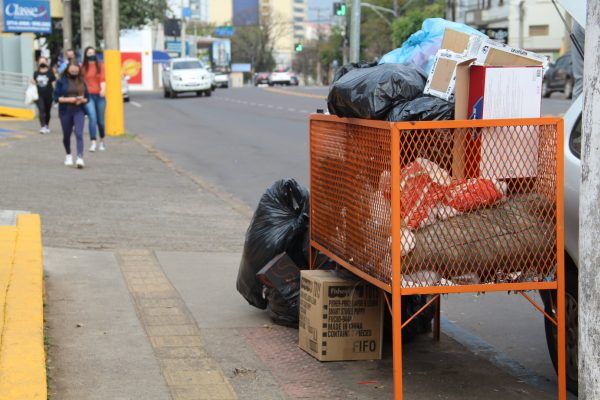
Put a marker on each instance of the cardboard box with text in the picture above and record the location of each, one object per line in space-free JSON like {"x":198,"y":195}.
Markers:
{"x":341,"y":317}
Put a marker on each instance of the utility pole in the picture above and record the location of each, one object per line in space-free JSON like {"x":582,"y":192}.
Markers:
{"x":67,"y":25}
{"x":183,"y":28}
{"x":319,"y":39}
{"x":88,"y":33}
{"x":112,"y":65}
{"x":355,"y":31}
{"x":589,"y":214}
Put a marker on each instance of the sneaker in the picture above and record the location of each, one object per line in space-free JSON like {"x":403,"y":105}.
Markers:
{"x":69,"y":160}
{"x":93,"y":146}
{"x":47,"y":130}
{"x":43,"y":130}
{"x":102,"y":147}
{"x":80,"y":164}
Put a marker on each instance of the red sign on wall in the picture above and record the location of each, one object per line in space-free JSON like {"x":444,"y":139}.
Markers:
{"x":131,"y":66}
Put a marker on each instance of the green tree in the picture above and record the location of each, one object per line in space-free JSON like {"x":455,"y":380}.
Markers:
{"x":133,"y":14}
{"x":375,"y":31}
{"x":413,"y":18}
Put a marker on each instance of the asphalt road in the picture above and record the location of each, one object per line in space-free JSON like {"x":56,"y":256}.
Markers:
{"x":241,"y":140}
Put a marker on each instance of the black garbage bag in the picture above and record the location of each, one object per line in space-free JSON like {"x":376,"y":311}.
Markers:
{"x":421,"y":324}
{"x":372,"y":92}
{"x":283,"y":306}
{"x":279,"y":225}
{"x":343,"y":70}
{"x":426,"y":108}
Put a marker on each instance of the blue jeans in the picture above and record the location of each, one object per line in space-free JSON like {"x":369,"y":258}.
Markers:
{"x":72,"y":119}
{"x":95,"y":109}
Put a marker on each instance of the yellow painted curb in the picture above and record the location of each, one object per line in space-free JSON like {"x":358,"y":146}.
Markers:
{"x":24,"y":114}
{"x":290,"y":93}
{"x":22,"y":357}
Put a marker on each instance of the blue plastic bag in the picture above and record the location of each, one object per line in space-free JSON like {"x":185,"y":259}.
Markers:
{"x":422,"y":45}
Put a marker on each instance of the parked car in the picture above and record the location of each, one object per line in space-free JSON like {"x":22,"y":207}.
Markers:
{"x":125,"y":88}
{"x":294,"y":81}
{"x":261,"y":78}
{"x":221,"y":79}
{"x":186,"y":75}
{"x":572,"y":129}
{"x":280,"y":77}
{"x":559,"y":77}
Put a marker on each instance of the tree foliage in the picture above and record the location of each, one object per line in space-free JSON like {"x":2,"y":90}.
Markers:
{"x":254,"y":44}
{"x":413,"y":18}
{"x":133,"y":14}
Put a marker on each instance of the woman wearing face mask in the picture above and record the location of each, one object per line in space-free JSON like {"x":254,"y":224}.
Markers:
{"x":44,"y":79}
{"x":72,"y":95}
{"x":93,"y":73}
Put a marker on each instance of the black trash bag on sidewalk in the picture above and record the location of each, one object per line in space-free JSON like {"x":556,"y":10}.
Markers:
{"x":343,"y":70}
{"x":283,"y":306}
{"x":426,"y":108}
{"x":372,"y":92}
{"x":279,"y":225}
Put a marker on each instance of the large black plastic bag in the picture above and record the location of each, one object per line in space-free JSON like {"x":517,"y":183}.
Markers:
{"x":343,"y":70}
{"x":279,"y":225}
{"x":372,"y":92}
{"x":426,"y":108}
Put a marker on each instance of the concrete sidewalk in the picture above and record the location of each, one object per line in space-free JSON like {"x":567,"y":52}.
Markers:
{"x":140,"y":263}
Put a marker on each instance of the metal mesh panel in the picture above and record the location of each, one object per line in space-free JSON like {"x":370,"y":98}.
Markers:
{"x":352,"y":215}
{"x":477,"y":200}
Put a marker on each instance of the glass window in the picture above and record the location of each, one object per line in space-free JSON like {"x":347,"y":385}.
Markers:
{"x":187,"y":65}
{"x":575,"y":139}
{"x":298,"y":19}
{"x":539,"y":30}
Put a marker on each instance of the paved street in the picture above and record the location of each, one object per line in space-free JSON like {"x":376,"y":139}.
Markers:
{"x":241,"y":140}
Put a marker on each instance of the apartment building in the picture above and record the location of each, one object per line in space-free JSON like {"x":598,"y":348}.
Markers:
{"x":529,"y":24}
{"x":217,"y":12}
{"x":289,"y":18}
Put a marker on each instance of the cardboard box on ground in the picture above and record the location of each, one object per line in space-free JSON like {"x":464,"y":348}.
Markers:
{"x":503,"y":95}
{"x":341,"y":317}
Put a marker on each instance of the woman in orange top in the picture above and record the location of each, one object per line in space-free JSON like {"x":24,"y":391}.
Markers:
{"x":93,"y":74}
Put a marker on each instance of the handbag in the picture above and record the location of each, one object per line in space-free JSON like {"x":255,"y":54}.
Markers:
{"x":31,"y":94}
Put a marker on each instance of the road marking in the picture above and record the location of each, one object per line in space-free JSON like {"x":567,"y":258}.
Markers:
{"x":135,"y":104}
{"x":289,"y":93}
{"x":291,"y":109}
{"x":304,"y":111}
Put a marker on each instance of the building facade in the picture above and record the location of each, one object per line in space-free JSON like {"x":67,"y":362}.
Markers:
{"x":288,"y":18}
{"x":528,"y":24}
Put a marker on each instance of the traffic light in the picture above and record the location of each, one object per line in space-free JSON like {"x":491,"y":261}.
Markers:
{"x":298,"y":47}
{"x":339,"y":9}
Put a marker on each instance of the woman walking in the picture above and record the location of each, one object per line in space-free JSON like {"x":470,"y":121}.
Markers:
{"x":44,"y":79}
{"x":93,"y":74}
{"x":72,"y":95}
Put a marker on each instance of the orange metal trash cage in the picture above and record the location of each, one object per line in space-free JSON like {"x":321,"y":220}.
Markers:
{"x":385,"y":200}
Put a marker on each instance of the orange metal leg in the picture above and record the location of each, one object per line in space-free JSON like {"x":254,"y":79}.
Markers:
{"x":561,"y":346}
{"x":436,"y":319}
{"x":397,"y":343}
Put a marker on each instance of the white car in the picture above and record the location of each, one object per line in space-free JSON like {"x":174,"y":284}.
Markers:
{"x":572,"y":147}
{"x":221,"y":80}
{"x":186,"y":75}
{"x":280,"y":77}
